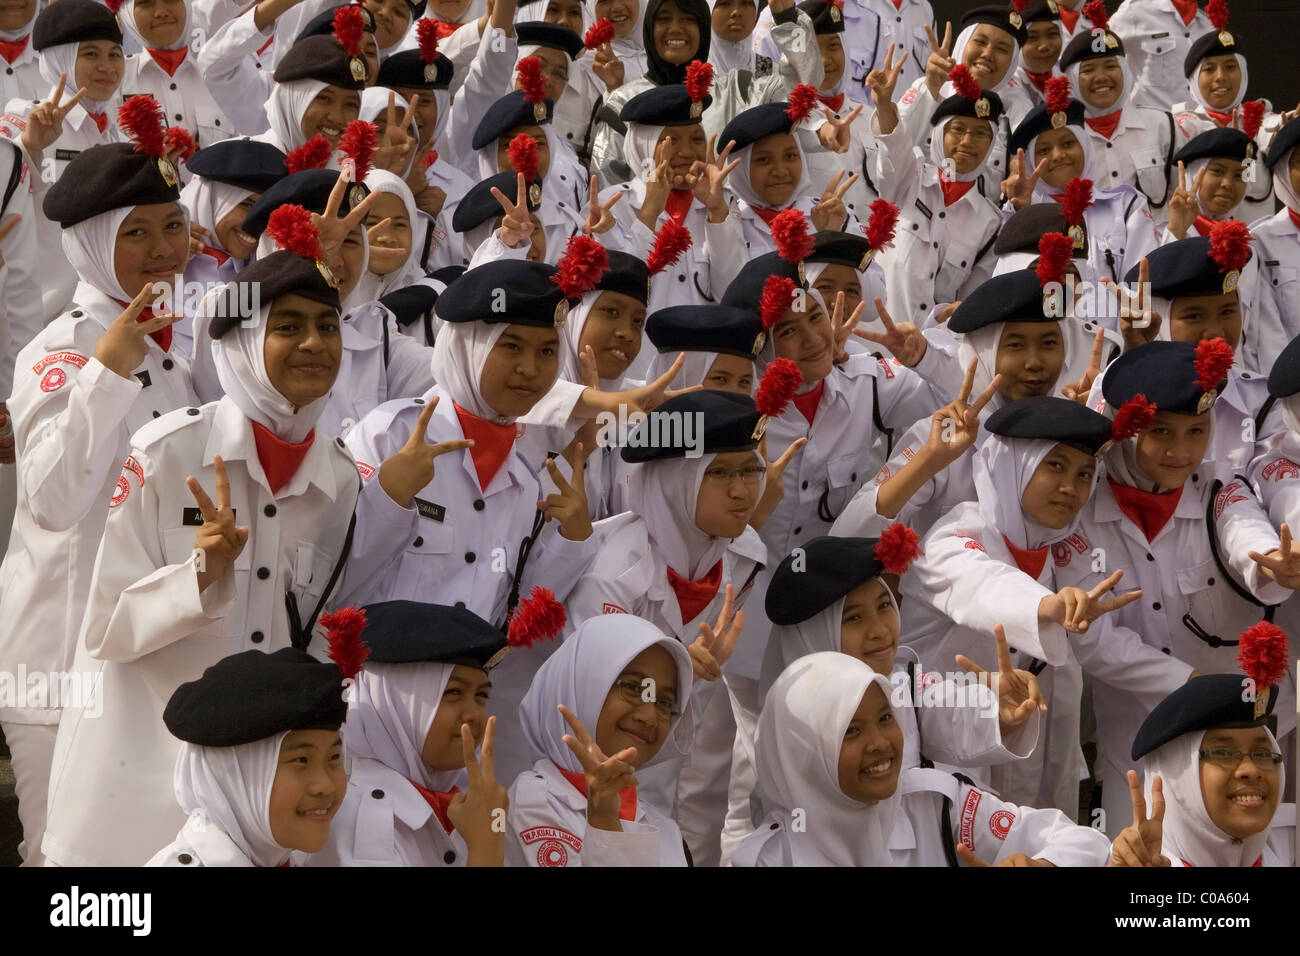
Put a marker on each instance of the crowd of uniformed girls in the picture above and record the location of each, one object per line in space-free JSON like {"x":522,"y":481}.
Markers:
{"x":647,"y":432}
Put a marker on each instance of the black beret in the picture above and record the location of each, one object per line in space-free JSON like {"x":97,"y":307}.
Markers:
{"x":1040,"y":11}
{"x":1010,"y":297}
{"x":552,"y":35}
{"x":668,"y":105}
{"x":510,"y":112}
{"x":245,"y":163}
{"x":1207,"y":702}
{"x":1038,"y":121}
{"x":1002,"y":16}
{"x":321,"y":58}
{"x":1165,"y":372}
{"x":252,"y":695}
{"x":1222,"y":43}
{"x":707,"y":328}
{"x":1183,"y":269}
{"x":829,"y":569}
{"x":1219,"y":143}
{"x":479,"y":205}
{"x":106,"y":177}
{"x":753,"y":124}
{"x":1286,"y":140}
{"x":825,"y":15}
{"x":322,"y":25}
{"x":74,"y":21}
{"x":1026,"y":226}
{"x":409,"y":305}
{"x":841,"y":249}
{"x":746,"y":290}
{"x":407,"y":70}
{"x":268,"y":278}
{"x":730,"y":424}
{"x":987,"y":107}
{"x":1047,"y":418}
{"x":310,"y":189}
{"x":1284,"y":377}
{"x":625,"y":274}
{"x":506,"y":290}
{"x":1083,"y":47}
{"x":447,"y":274}
{"x":408,"y":632}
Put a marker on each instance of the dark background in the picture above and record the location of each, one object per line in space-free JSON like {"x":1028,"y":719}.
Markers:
{"x":1270,"y":29}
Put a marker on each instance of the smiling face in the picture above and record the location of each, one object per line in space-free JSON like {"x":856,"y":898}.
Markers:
{"x":836,"y":278}
{"x":302,"y":348}
{"x":99,"y":69}
{"x":832,"y":50}
{"x":620,"y":13}
{"x":988,"y":55}
{"x":1064,"y":155}
{"x":309,"y":787}
{"x":1059,"y":487}
{"x":329,"y":113}
{"x":426,"y":111}
{"x":966,"y":141}
{"x":869,"y":626}
{"x":152,"y":246}
{"x":730,"y":373}
{"x":543,"y":149}
{"x":1101,"y":82}
{"x":240,"y":244}
{"x":16,"y":14}
{"x":464,"y":701}
{"x":566,"y":13}
{"x":1029,"y":359}
{"x":1043,"y":47}
{"x":392,"y":17}
{"x":724,"y":505}
{"x":555,"y":71}
{"x":1240,"y":802}
{"x":775,"y":166}
{"x":733,"y":20}
{"x":872,"y":751}
{"x":807,"y":339}
{"x":160,"y":22}
{"x":1173,"y":447}
{"x":676,"y":34}
{"x":687,"y":145}
{"x":1219,"y":80}
{"x":520,"y":369}
{"x":1223,"y":187}
{"x":1196,"y":318}
{"x":640,"y":723}
{"x":390,"y":246}
{"x":613,"y":330}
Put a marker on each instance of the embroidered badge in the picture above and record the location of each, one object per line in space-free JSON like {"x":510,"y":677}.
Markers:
{"x":1228,"y":496}
{"x":70,"y":358}
{"x":120,"y":491}
{"x":430,"y":510}
{"x":366,"y":470}
{"x":966,"y":832}
{"x":1280,"y":469}
{"x":554,"y":844}
{"x":1000,"y":823}
{"x":54,"y":380}
{"x":608,"y":608}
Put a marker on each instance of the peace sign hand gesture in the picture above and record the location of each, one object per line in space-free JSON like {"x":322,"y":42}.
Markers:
{"x":713,"y":647}
{"x":1019,"y":185}
{"x":905,"y":342}
{"x":708,"y":180}
{"x":1184,"y":205}
{"x":842,"y":328}
{"x":606,"y":775}
{"x":830,"y":211}
{"x":1017,"y":690}
{"x":884,"y":79}
{"x":478,"y":814}
{"x":1079,"y":390}
{"x":1139,"y":843}
{"x":1075,"y":608}
{"x":599,"y":217}
{"x":411,"y":467}
{"x":657,"y":185}
{"x":124,"y":343}
{"x":569,"y":506}
{"x":1138,"y":322}
{"x":45,"y":122}
{"x":954,"y":428}
{"x":396,"y":144}
{"x":516,"y":224}
{"x":607,"y":67}
{"x":773,"y":489}
{"x":940,"y":62}
{"x":219,"y":540}
{"x":836,"y":134}
{"x":334,"y":230}
{"x":1283,"y":563}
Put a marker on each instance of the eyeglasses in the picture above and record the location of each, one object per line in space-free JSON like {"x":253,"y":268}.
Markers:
{"x":750,"y":475}
{"x":978,"y":135}
{"x":1231,"y":759}
{"x":635,"y":692}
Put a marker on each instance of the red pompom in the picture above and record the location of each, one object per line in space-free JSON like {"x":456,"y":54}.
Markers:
{"x":180,"y":142}
{"x":539,"y":617}
{"x":292,"y":229}
{"x":789,"y":229}
{"x":882,"y":224}
{"x":1095,"y":11}
{"x":670,"y":242}
{"x":1054,"y":250}
{"x":581,"y":266}
{"x":523,"y":156}
{"x":1077,"y":198}
{"x":343,"y":631}
{"x":964,"y":83}
{"x":426,"y":32}
{"x":777,"y":386}
{"x":1263,"y":654}
{"x":141,"y":118}
{"x":778,"y":293}
{"x":699,"y":79}
{"x":803,"y":100}
{"x":600,"y":33}
{"x":313,"y":154}
{"x":1020,"y":5}
{"x":349,"y":25}
{"x":1230,"y":244}
{"x":114,"y":5}
{"x":530,"y":79}
{"x":897,"y":548}
{"x":1213,"y":359}
{"x":1133,"y":417}
{"x":1056,"y":94}
{"x":359,"y":142}
{"x":1252,"y":116}
{"x":1217,"y":11}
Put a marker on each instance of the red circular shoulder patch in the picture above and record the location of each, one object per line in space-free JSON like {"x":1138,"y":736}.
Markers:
{"x":54,"y":380}
{"x":120,"y":491}
{"x":1000,"y":823}
{"x":552,"y":853}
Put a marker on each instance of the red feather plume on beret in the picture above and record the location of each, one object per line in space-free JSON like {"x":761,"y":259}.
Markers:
{"x":882,"y":224}
{"x":1230,"y":245}
{"x":789,"y":229}
{"x":539,"y":617}
{"x":699,"y":79}
{"x":1213,"y":359}
{"x":1252,"y":117}
{"x":1095,"y":11}
{"x":292,"y":229}
{"x":1133,"y":417}
{"x":1217,"y":11}
{"x":1263,"y":655}
{"x":1056,"y":94}
{"x":803,"y":99}
{"x":523,"y":156}
{"x":1054,"y":250}
{"x":1077,"y":198}
{"x":180,"y":141}
{"x":359,"y":142}
{"x":670,"y":242}
{"x":426,"y":32}
{"x":581,"y":266}
{"x":778,"y":293}
{"x":777,"y":387}
{"x":141,"y":117}
{"x":114,"y":5}
{"x":964,"y":83}
{"x":530,"y":79}
{"x":313,"y":154}
{"x":343,"y":631}
{"x":349,"y":25}
{"x":600,"y":33}
{"x":897,"y":548}
{"x":1020,"y":5}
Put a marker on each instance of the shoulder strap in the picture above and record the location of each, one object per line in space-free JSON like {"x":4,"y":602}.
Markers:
{"x":1128,"y":210}
{"x":300,"y":633}
{"x":926,"y":762}
{"x":15,"y":177}
{"x":945,"y":833}
{"x":875,"y":414}
{"x":1262,"y":416}
{"x":385,"y":325}
{"x":424,"y":253}
{"x":609,"y":116}
{"x":525,"y":549}
{"x":986,"y":247}
{"x":1212,"y":531}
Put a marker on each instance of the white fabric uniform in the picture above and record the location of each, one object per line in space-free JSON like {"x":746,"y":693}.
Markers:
{"x":916,"y":106}
{"x":184,"y":96}
{"x":200,"y":844}
{"x":1275,"y":320}
{"x":1156,"y":42}
{"x":1191,"y":120}
{"x":235,"y":73}
{"x":1138,"y":154}
{"x":1120,"y":229}
{"x":902,"y":25}
{"x":487,"y":78}
{"x":148,"y":628}
{"x":21,"y":79}
{"x":22,"y":315}
{"x":865,"y":40}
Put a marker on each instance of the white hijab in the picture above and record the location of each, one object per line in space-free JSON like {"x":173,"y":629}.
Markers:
{"x":266,"y":245}
{"x":571,"y":335}
{"x":1125,"y":94}
{"x":693,"y":370}
{"x":1282,"y":187}
{"x":373,"y":286}
{"x":62,"y":58}
{"x":285,"y":108}
{"x":939,"y":158}
{"x":738,"y":180}
{"x":459,"y":354}
{"x":126,"y":20}
{"x":797,"y":754}
{"x":1188,"y":833}
{"x":208,"y":201}
{"x":1043,"y":192}
{"x":392,"y":708}
{"x":1194,"y":87}
{"x":726,"y":55}
{"x":871,"y":282}
{"x":581,"y":674}
{"x":1193,"y":169}
{"x":1003,"y":467}
{"x":90,"y":247}
{"x":959,"y":50}
{"x":374,"y":104}
{"x":629,"y":50}
{"x":229,"y":788}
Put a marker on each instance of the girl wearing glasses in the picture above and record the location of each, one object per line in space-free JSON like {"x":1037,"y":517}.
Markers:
{"x":614,"y":700}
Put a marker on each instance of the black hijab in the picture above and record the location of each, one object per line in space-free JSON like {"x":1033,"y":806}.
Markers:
{"x":660,"y":72}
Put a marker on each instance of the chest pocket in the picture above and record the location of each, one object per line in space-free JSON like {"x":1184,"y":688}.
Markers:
{"x":431,"y":536}
{"x":1149,"y":170}
{"x":1161,"y":65}
{"x":212,"y":127}
{"x":1281,"y":280}
{"x":842,"y":480}
{"x":958,"y":258}
{"x":311,"y":573}
{"x":178,"y":547}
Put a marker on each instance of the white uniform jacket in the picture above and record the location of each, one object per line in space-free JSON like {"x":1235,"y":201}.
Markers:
{"x":1275,"y":319}
{"x":21,"y":79}
{"x":1139,"y":153}
{"x":232,"y":69}
{"x":200,"y":844}
{"x":1156,"y":42}
{"x":184,"y":96}
{"x":864,"y":40}
{"x":916,"y":106}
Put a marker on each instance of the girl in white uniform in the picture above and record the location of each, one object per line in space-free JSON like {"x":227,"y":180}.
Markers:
{"x":829,"y":763}
{"x":317,"y":90}
{"x":21,"y":76}
{"x":1277,"y":246}
{"x":615,"y":699}
{"x":1040,"y":51}
{"x":1214,"y":163}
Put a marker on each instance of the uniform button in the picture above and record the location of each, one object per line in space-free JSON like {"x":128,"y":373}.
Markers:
{"x":168,"y":364}
{"x":1151,"y":557}
{"x":339,"y":442}
{"x":915,"y":227}
{"x":936,"y":245}
{"x":804,"y":486}
{"x":1115,"y":173}
{"x":943,"y":215}
{"x":1245,"y":375}
{"x":191,"y":411}
{"x":774,"y":826}
{"x":263,"y":573}
{"x":897,"y":20}
{"x":418,"y":401}
{"x":1210,"y":582}
{"x":1110,"y":145}
{"x":470,"y":557}
{"x":922,"y":307}
{"x":560,"y":204}
{"x":157,"y":414}
{"x":1164,"y":650}
{"x":269,"y":511}
{"x":1156,"y":606}
{"x":853,"y":476}
{"x":185,"y":858}
{"x":173,"y":86}
{"x":478,"y":505}
{"x":460,"y":604}
{"x":418,"y":542}
{"x":1196,"y":477}
{"x":449,"y":857}
{"x":179,"y":117}
{"x":681,"y":278}
{"x":256,"y":637}
{"x":216,"y":122}
{"x":9,"y":70}
{"x":797,"y":530}
{"x":377,"y":794}
{"x":963,"y":265}
{"x":77,"y":314}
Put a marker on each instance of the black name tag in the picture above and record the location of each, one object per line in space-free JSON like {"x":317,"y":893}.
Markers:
{"x":1159,"y":36}
{"x":144,"y":378}
{"x":66,"y":153}
{"x":925,"y":210}
{"x":429,"y":510}
{"x":193,"y":517}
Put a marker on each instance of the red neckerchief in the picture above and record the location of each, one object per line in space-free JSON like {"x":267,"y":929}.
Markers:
{"x":1295,"y":216}
{"x":217,"y":254}
{"x":679,"y":204}
{"x":835,"y":102}
{"x":1031,"y":562}
{"x":163,"y":336}
{"x":430,"y":159}
{"x":1149,"y":510}
{"x":898,"y":4}
{"x":445,"y":29}
{"x":1223,"y":119}
{"x":1039,"y":79}
{"x":767,"y":215}
{"x":11,"y":49}
{"x":1259,"y":862}
{"x":807,"y":403}
{"x":1186,"y":9}
{"x":493,"y":443}
{"x":170,"y":60}
{"x":439,"y":800}
{"x":279,"y":458}
{"x":1105,"y":124}
{"x":694,"y":596}
{"x":1203,"y":225}
{"x":1069,"y":18}
{"x":954,"y":191}
{"x":101,"y":119}
{"x":626,"y":796}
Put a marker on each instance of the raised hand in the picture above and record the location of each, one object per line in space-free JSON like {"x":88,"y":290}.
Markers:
{"x":905,"y":342}
{"x":219,"y":540}
{"x":940,"y":62}
{"x":1078,"y":391}
{"x":836,"y":134}
{"x":607,"y":67}
{"x":1139,"y":843}
{"x":599,"y":217}
{"x":1184,"y":204}
{"x":773,"y":489}
{"x":1015,"y":859}
{"x":712,"y":649}
{"x":516,"y":223}
{"x":954,"y":428}
{"x":1075,"y":608}
{"x":411,"y":467}
{"x":708,"y":180}
{"x":334,"y":230}
{"x":606,"y":775}
{"x":1138,"y":322}
{"x":1282,"y":564}
{"x":569,"y":505}
{"x":650,"y":396}
{"x":842,"y":328}
{"x":1019,"y":185}
{"x":45,"y":122}
{"x":124,"y":343}
{"x":884,"y":79}
{"x":475,"y":812}
{"x":1017,"y":690}
{"x":394,"y":149}
{"x":658,"y":183}
{"x":830,"y":211}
